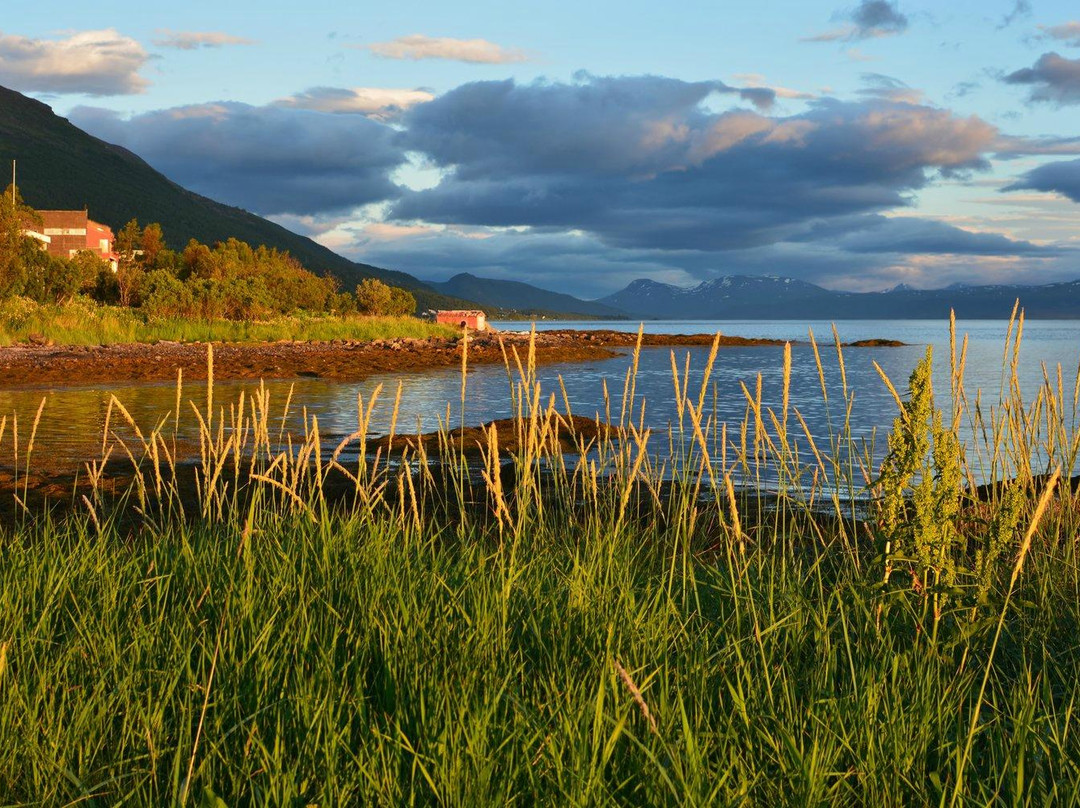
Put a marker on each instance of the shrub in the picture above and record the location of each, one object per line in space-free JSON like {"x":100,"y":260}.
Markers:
{"x":167,"y":296}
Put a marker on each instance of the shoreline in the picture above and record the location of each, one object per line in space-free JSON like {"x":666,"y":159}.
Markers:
{"x":28,"y":366}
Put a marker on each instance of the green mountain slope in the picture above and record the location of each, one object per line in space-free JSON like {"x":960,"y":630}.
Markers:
{"x":62,"y":167}
{"x":524,"y":297}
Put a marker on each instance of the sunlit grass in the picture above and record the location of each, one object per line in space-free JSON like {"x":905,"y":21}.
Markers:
{"x":619,"y":626}
{"x":83,"y":322}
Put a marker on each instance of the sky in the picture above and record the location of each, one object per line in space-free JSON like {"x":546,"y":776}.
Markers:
{"x":580,"y":145}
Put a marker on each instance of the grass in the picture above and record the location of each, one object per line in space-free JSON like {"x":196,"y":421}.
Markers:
{"x":621,"y":629}
{"x":83,"y":322}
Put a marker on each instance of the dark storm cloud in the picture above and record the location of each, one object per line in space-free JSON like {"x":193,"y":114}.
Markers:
{"x":1062,"y":177}
{"x":642,"y":163}
{"x":1053,"y":79}
{"x":269,"y":160}
{"x":868,"y":20}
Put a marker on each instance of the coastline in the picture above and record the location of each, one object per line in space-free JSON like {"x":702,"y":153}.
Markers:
{"x":24,"y":366}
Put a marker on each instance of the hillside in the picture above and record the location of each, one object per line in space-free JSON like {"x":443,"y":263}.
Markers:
{"x":524,"y":297}
{"x":62,"y":167}
{"x":770,"y":298}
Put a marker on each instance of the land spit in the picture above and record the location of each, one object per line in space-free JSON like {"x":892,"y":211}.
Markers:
{"x":338,"y":360}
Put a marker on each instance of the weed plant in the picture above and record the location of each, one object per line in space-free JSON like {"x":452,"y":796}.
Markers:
{"x":615,"y":626}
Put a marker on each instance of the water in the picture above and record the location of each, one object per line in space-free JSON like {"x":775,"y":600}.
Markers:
{"x":71,"y":427}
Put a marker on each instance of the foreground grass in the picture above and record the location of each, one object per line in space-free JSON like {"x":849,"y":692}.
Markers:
{"x":83,"y":322}
{"x":356,"y":662}
{"x":617,"y":630}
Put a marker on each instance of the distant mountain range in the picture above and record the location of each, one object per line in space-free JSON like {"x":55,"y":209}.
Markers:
{"x":742,"y":297}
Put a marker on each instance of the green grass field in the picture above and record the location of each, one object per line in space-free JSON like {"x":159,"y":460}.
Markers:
{"x":616,"y":629}
{"x":83,"y":322}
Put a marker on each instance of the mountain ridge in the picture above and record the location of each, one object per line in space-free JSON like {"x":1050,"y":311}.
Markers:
{"x":762,"y":297}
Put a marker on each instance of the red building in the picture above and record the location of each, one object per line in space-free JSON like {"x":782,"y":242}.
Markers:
{"x":72,"y":231}
{"x":462,"y":318}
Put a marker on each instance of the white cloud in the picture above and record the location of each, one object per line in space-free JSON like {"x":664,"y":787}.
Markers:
{"x":91,"y":62}
{"x":380,"y":103}
{"x":192,"y":40}
{"x":419,"y":46}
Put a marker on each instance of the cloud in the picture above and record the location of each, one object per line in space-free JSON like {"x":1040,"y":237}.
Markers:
{"x":1061,"y":177}
{"x":911,"y":235}
{"x":870,"y":19}
{"x":889,"y":89}
{"x":539,"y":258}
{"x":193,"y":40}
{"x":1053,"y":78}
{"x":89,"y":62}
{"x":1010,"y":147}
{"x":380,"y":103}
{"x":1068,"y":32}
{"x":1020,"y":10}
{"x":268,"y":160}
{"x":475,"y":51}
{"x":640,"y":162}
{"x":756,"y":81}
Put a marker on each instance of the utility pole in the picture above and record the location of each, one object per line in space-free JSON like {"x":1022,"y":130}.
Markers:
{"x":13,"y":185}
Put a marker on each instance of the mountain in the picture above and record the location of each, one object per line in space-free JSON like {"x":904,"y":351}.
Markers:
{"x":62,"y":167}
{"x":744,"y":297}
{"x":735,"y":296}
{"x":523,"y":297}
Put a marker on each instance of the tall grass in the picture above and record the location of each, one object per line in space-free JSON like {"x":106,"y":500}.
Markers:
{"x":83,"y":322}
{"x":619,"y":625}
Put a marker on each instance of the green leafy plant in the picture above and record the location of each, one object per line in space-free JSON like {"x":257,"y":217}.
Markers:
{"x":920,"y":489}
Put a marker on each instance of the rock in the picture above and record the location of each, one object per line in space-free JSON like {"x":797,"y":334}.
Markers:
{"x":875,"y":343}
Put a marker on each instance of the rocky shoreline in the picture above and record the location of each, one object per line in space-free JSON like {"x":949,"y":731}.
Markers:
{"x":339,"y":360}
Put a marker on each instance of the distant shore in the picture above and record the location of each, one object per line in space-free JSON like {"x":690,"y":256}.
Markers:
{"x":337,"y":360}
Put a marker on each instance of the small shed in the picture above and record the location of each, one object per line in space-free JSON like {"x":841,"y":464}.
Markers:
{"x":472,"y":319}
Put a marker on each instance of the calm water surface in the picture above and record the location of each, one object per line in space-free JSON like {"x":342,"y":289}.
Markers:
{"x":71,"y":427}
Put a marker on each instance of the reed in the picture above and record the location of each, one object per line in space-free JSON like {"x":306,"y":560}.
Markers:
{"x":728,"y":613}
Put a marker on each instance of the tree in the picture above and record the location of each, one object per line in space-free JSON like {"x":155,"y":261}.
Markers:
{"x":129,"y":266}
{"x":152,"y":243}
{"x":402,"y":303}
{"x":374,"y":297}
{"x":14,"y":246}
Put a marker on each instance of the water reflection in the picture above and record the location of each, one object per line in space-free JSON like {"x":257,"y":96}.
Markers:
{"x":73,"y":419}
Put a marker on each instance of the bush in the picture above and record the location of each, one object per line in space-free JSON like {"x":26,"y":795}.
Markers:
{"x":166,"y":296}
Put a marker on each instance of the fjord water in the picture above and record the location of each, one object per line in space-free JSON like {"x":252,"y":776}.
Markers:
{"x":70,"y":430}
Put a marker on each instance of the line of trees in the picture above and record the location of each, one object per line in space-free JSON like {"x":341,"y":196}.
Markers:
{"x":229,"y":280}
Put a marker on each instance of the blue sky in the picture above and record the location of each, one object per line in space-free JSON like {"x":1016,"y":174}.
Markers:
{"x":580,"y":145}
